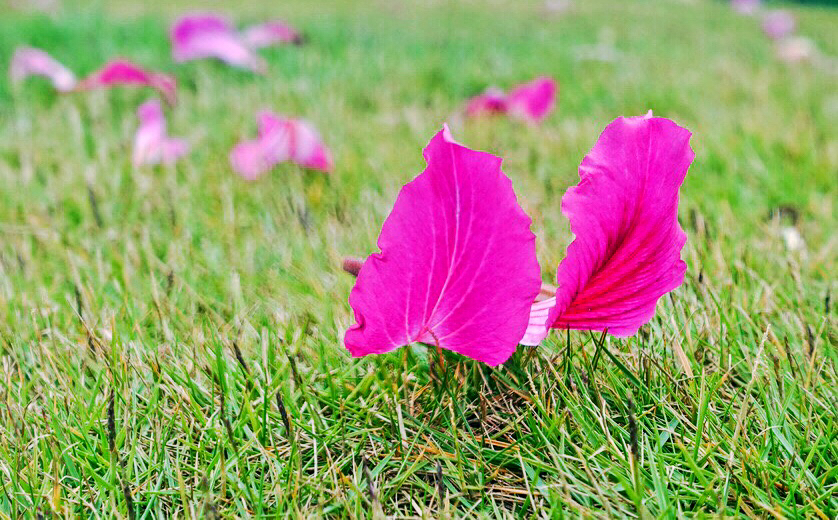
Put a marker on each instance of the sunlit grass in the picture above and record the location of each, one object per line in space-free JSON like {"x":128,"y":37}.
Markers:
{"x":144,"y":284}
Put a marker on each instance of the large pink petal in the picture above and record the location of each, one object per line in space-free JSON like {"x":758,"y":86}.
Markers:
{"x":533,"y":101}
{"x":457,"y":266}
{"x":28,"y":61}
{"x":270,"y":33}
{"x":210,"y":36}
{"x":626,"y":253}
{"x":125,"y":73}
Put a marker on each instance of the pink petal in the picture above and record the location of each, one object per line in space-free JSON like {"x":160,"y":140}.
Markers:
{"x":491,"y":101}
{"x":270,"y":33}
{"x":123,"y":72}
{"x":796,"y":49}
{"x":249,"y":160}
{"x":151,"y":144}
{"x":533,"y":101}
{"x":209,"y":36}
{"x":173,"y":149}
{"x":778,"y":24}
{"x":626,"y":254}
{"x":457,"y":267}
{"x":28,"y":61}
{"x":745,"y":6}
{"x":307,"y":149}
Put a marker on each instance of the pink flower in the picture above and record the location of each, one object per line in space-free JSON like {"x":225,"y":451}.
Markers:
{"x":152,"y":145}
{"x":201,"y":36}
{"x":626,"y":253}
{"x":457,"y":267}
{"x":778,"y":24}
{"x":270,"y":33}
{"x":125,"y":73}
{"x":746,"y":6}
{"x":280,"y":139}
{"x":530,"y":102}
{"x":28,"y":61}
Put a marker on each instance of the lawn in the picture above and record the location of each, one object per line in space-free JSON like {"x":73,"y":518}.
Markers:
{"x":171,"y":338}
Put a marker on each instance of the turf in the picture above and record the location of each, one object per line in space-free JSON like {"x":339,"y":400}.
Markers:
{"x":171,"y":338}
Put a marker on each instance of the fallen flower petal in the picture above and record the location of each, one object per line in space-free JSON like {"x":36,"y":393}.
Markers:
{"x":151,"y":143}
{"x":457,"y":267}
{"x":248,"y":159}
{"x":623,"y":212}
{"x":491,"y":101}
{"x":29,"y":61}
{"x":125,"y":73}
{"x":778,"y":24}
{"x":202,"y":36}
{"x":533,"y":101}
{"x":270,"y":33}
{"x":745,"y":6}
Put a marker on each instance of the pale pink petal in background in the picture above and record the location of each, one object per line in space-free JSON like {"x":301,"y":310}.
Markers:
{"x":797,"y":49}
{"x":152,"y":145}
{"x":623,"y":213}
{"x":457,"y":267}
{"x":29,"y":61}
{"x":201,"y":36}
{"x":125,"y":73}
{"x":533,"y":101}
{"x":748,"y":7}
{"x":491,"y":101}
{"x":249,"y":160}
{"x":778,"y":24}
{"x":271,"y":33}
{"x":307,"y":148}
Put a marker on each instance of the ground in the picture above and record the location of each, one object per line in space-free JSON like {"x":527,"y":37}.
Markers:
{"x":171,"y":338}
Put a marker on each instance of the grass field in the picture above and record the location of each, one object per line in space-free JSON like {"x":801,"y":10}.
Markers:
{"x":171,"y":338}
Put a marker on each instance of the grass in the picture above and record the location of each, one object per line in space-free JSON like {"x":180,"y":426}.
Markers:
{"x":171,"y":339}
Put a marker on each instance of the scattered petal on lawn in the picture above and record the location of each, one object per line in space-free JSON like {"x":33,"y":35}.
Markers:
{"x":271,"y":33}
{"x":533,"y":101}
{"x":151,"y":143}
{"x":202,"y":36}
{"x":746,"y":6}
{"x":796,"y":49}
{"x":623,"y":212}
{"x":491,"y":101}
{"x":778,"y":24}
{"x":248,"y":159}
{"x":28,"y":61}
{"x":280,"y":139}
{"x":124,"y":73}
{"x":457,"y":267}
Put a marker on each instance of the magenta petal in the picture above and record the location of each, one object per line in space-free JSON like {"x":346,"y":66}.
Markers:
{"x":270,"y":33}
{"x":28,"y":61}
{"x":202,"y":36}
{"x":125,"y":73}
{"x":626,"y":253}
{"x":533,"y":101}
{"x":457,"y":266}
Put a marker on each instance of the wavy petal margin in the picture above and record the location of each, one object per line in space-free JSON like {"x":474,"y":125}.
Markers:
{"x":457,"y":267}
{"x":623,"y":212}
